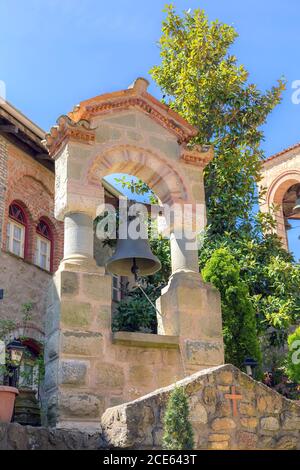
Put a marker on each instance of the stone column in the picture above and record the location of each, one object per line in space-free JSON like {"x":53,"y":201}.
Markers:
{"x":184,"y":254}
{"x":190,"y":308}
{"x":78,"y":239}
{"x":78,"y":326}
{"x":78,"y":323}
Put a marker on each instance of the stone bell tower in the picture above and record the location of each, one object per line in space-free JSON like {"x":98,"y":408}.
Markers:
{"x":88,"y":367}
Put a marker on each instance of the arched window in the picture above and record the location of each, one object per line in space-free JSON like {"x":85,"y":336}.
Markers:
{"x":43,"y":246}
{"x":16,"y":230}
{"x":29,"y":370}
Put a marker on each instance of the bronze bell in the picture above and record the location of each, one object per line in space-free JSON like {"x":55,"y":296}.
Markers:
{"x":133,"y":257}
{"x":296,"y":209}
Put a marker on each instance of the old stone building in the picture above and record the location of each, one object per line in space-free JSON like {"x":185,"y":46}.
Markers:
{"x":280,"y":187}
{"x":52,"y":267}
{"x":31,"y":238}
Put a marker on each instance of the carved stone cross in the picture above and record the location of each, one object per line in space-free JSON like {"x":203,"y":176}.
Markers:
{"x":234,"y":397}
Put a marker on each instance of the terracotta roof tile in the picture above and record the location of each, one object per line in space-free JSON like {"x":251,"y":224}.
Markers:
{"x":282,"y":152}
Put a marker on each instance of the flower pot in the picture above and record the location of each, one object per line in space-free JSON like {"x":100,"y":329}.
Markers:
{"x":7,"y":402}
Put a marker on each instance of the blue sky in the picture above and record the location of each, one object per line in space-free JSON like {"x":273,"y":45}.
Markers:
{"x":55,"y":53}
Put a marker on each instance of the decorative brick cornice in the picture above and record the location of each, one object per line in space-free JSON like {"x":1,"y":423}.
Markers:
{"x":67,"y":128}
{"x":136,"y":96}
{"x":198,"y":155}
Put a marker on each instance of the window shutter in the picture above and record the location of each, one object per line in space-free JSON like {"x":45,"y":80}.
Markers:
{"x":48,"y":255}
{"x":8,"y":237}
{"x":37,"y":252}
{"x":22,"y":242}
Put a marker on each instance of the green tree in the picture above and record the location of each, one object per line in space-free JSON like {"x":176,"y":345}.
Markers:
{"x":203,"y":82}
{"x":269,"y":272}
{"x":239,"y":322}
{"x":178,"y":432}
{"x":293,"y":359}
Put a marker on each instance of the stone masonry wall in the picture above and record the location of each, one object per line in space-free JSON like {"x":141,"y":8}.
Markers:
{"x":87,"y":368}
{"x":22,"y":283}
{"x":16,"y":437}
{"x":261,"y":418}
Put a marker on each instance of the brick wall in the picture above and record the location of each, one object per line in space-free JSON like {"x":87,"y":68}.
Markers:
{"x":3,"y":177}
{"x":32,"y":186}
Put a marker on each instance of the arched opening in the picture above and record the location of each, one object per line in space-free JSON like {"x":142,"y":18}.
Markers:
{"x":31,"y":365}
{"x":158,"y":173}
{"x":165,"y":179}
{"x":27,"y":377}
{"x":291,"y":215}
{"x":132,"y":311}
{"x":30,"y":369}
{"x":282,"y":194}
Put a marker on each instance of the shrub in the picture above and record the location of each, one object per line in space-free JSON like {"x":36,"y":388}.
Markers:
{"x":135,"y":313}
{"x":178,"y":432}
{"x":238,"y":314}
{"x":293,"y":358}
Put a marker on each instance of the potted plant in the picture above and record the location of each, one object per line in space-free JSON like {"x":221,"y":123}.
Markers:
{"x":7,"y":402}
{"x":16,"y":395}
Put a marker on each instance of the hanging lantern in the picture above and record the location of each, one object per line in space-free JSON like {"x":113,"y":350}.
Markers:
{"x":15,"y":352}
{"x":250,"y":365}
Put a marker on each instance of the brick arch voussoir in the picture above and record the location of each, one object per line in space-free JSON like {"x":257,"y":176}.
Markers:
{"x":37,"y":181}
{"x":28,"y":330}
{"x":280,"y":186}
{"x":15,"y":192}
{"x":161,"y":176}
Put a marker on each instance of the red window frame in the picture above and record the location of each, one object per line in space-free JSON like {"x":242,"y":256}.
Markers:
{"x":48,"y":234}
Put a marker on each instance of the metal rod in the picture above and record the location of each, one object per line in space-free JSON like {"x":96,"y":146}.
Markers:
{"x":149,"y":300}
{"x":135,"y":271}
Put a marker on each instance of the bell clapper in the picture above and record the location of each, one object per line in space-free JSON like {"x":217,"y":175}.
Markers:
{"x":135,"y":270}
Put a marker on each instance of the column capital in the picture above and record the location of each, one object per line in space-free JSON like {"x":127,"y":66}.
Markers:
{"x":72,"y":192}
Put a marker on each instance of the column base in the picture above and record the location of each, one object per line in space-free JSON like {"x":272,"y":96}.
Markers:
{"x":77,"y":329}
{"x":191,"y":309}
{"x":77,"y":262}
